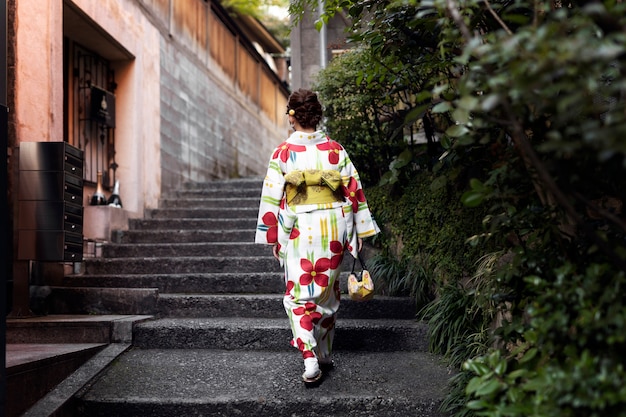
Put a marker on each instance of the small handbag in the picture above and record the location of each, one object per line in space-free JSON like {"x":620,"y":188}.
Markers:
{"x":360,"y":284}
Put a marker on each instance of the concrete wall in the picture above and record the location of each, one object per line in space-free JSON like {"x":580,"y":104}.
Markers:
{"x":209,"y":128}
{"x":306,"y":59}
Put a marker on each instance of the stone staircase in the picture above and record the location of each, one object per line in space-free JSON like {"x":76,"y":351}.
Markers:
{"x":218,"y":344}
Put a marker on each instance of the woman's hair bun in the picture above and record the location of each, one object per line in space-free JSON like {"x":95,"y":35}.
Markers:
{"x":307,"y":108}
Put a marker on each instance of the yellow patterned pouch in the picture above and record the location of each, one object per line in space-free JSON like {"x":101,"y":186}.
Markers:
{"x":360,"y":284}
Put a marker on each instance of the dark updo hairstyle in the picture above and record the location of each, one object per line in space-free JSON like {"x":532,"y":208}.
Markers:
{"x":307,"y":110}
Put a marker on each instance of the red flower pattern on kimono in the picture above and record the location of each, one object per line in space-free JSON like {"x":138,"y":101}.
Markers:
{"x":270,"y":220}
{"x":290,"y":286}
{"x":309,"y":315}
{"x":354,"y":194}
{"x":333,"y":147}
{"x":337,"y":249}
{"x":294,"y":233}
{"x":305,"y":353}
{"x":312,"y":272}
{"x":285,"y":149}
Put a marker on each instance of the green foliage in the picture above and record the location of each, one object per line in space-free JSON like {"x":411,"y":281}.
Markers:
{"x":569,"y":359}
{"x":254,"y":8}
{"x":529,"y":100}
{"x":366,"y":117}
{"x":425,"y":222}
{"x":403,"y":277}
{"x":456,"y":324}
{"x":278,"y":26}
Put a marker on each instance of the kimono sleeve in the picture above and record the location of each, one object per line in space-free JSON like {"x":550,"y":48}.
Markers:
{"x":271,"y":196}
{"x":364,"y":223}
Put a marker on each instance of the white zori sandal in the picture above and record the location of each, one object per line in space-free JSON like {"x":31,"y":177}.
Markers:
{"x":312,"y":371}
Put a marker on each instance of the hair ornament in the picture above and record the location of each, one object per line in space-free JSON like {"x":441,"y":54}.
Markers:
{"x":292,"y":112}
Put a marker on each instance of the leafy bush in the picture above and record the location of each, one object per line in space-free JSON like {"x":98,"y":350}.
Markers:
{"x":362,"y":116}
{"x":531,"y":99}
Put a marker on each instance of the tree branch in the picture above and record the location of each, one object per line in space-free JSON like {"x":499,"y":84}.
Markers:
{"x":453,"y":9}
{"x":550,"y":189}
{"x":495,"y":16}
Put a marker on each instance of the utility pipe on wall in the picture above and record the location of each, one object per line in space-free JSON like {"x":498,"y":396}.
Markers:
{"x":323,"y":58}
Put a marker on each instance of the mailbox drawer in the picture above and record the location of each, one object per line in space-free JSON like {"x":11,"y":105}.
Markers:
{"x":50,"y":194}
{"x":50,"y":245}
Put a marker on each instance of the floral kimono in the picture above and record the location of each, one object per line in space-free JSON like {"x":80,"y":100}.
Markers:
{"x":313,"y":208}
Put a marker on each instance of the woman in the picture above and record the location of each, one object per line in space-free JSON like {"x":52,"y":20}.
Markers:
{"x":312,"y":209}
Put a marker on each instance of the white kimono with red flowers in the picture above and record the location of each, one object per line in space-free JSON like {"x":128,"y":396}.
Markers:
{"x":312,"y":237}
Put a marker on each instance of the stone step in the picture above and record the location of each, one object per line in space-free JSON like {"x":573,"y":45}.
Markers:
{"x":193,"y":283}
{"x":133,"y":250}
{"x":227,"y":282}
{"x":215,"y":192}
{"x":59,"y":329}
{"x":184,"y":236}
{"x":103,"y":301}
{"x":252,"y":383}
{"x":204,"y":213}
{"x":192,"y":224}
{"x":245,"y":334}
{"x":180,"y":265}
{"x":271,"y":306}
{"x":188,"y":382}
{"x":70,"y":299}
{"x":207,"y":202}
{"x":225,"y":184}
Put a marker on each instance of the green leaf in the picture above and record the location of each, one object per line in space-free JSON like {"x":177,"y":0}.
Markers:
{"x":457,"y":131}
{"x":477,"y":405}
{"x":500,"y":368}
{"x":472,"y":198}
{"x":460,"y":115}
{"x":359,"y":78}
{"x":445,"y":142}
{"x":529,"y":355}
{"x":488,"y":387}
{"x":490,"y":102}
{"x":468,"y":103}
{"x":473,"y":385}
{"x":442,"y":107}
{"x":438,"y":183}
{"x":477,"y":185}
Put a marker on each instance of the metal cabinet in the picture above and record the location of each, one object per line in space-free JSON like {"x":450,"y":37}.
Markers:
{"x":50,"y":202}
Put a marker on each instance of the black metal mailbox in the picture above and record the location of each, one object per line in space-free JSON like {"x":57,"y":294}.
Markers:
{"x":50,"y":202}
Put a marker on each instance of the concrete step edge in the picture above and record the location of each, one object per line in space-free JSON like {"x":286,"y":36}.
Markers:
{"x":73,"y":328}
{"x":59,"y":400}
{"x":271,"y":306}
{"x":274,"y":334}
{"x":266,"y":384}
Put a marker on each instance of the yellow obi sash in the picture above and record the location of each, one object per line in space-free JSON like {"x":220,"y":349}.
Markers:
{"x":313,"y":186}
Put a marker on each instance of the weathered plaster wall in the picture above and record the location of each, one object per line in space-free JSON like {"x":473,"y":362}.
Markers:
{"x":137,"y":100}
{"x":38,"y":106}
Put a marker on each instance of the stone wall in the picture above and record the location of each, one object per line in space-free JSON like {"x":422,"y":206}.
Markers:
{"x":207,"y":130}
{"x":210,"y":129}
